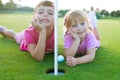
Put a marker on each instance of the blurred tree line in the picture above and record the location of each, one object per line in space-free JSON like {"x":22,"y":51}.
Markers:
{"x":104,"y":13}
{"x":11,"y":6}
{"x":99,"y":13}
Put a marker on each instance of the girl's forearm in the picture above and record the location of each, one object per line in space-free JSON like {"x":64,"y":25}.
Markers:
{"x":85,"y":59}
{"x":73,"y":49}
{"x":40,"y":47}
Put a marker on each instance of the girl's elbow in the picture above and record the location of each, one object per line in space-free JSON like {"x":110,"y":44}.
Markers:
{"x":65,"y":55}
{"x":37,"y":58}
{"x":92,"y":58}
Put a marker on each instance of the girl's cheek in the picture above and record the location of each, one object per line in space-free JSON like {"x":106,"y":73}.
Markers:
{"x":84,"y":27}
{"x":74,"y":31}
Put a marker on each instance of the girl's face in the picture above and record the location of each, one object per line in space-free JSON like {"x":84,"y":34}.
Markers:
{"x":80,"y":28}
{"x":45,"y":15}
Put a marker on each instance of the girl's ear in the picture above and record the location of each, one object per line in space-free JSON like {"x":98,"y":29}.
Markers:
{"x":90,"y":28}
{"x":65,"y":30}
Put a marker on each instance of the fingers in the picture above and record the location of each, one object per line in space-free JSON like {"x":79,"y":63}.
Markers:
{"x":70,"y":64}
{"x":37,"y":21}
{"x":33,"y":22}
{"x":69,"y":58}
{"x":40,"y":24}
{"x":37,"y":24}
{"x":74,"y":35}
{"x":70,"y":31}
{"x":70,"y":61}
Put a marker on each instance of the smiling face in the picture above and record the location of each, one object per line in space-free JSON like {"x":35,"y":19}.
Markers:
{"x":77,"y":21}
{"x":80,"y":28}
{"x":45,"y":15}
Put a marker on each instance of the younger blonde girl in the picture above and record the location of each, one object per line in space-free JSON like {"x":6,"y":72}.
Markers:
{"x":79,"y":38}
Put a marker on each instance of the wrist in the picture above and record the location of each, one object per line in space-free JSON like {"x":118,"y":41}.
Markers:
{"x":75,"y":61}
{"x":43,"y":31}
{"x":77,"y":41}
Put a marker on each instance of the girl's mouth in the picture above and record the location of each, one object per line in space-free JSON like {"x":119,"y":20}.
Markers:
{"x":44,"y":20}
{"x":81,"y":32}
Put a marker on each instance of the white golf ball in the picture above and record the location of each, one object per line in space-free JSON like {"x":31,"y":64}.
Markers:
{"x":60,"y":58}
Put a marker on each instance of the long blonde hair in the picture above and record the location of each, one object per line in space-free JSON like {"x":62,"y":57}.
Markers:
{"x":74,"y":16}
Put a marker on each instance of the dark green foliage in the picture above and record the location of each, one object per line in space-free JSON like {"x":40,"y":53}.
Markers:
{"x":104,"y":12}
{"x":98,"y":15}
{"x":1,"y":5}
{"x":63,"y":12}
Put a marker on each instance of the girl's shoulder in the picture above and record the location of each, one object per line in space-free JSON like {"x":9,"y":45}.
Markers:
{"x":67,"y":35}
{"x":90,"y":35}
{"x":30,"y":28}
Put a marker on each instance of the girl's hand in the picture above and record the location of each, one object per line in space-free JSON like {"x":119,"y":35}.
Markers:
{"x":74,"y":35}
{"x":71,"y":61}
{"x":37,"y":25}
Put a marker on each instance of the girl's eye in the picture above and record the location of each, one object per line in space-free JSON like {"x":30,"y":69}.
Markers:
{"x":74,"y":25}
{"x":40,"y":12}
{"x":82,"y":23}
{"x":50,"y":13}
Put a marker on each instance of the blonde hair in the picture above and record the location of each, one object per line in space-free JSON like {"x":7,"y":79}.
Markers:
{"x":75,"y":16}
{"x":44,"y":3}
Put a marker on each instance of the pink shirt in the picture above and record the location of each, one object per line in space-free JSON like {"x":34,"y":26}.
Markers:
{"x":88,"y":43}
{"x":31,"y":37}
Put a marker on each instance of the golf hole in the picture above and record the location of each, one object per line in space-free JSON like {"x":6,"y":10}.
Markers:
{"x":51,"y":71}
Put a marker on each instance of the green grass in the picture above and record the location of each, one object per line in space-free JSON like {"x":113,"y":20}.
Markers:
{"x":19,"y":65}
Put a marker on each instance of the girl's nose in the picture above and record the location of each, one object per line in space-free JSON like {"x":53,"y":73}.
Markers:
{"x":45,"y":13}
{"x":79,"y":27}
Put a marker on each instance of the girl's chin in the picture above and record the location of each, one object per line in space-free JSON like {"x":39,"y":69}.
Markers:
{"x":82,"y":36}
{"x":46,"y":24}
